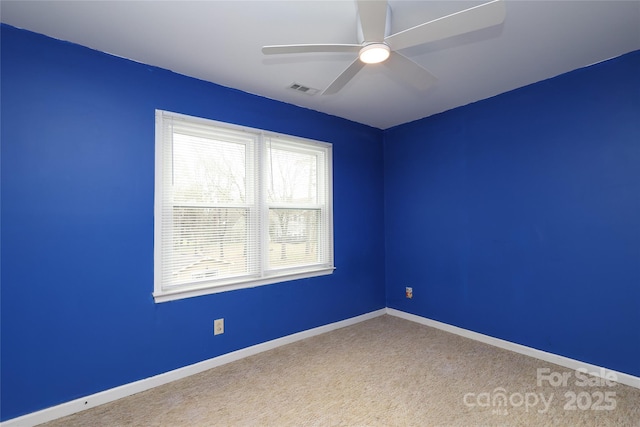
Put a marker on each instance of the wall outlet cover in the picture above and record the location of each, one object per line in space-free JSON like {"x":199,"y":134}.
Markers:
{"x":218,"y":326}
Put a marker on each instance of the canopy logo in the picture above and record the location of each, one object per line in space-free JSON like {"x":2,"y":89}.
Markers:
{"x":499,"y":401}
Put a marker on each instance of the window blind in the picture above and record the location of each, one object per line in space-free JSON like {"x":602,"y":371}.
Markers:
{"x":237,"y":206}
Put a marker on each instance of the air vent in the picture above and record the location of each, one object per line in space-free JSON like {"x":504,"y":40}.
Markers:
{"x":304,"y":89}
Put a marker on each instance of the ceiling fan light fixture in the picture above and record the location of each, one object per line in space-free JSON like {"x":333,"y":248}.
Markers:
{"x":374,"y":53}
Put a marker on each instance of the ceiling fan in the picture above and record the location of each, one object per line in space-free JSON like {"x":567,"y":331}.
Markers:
{"x":377,"y":45}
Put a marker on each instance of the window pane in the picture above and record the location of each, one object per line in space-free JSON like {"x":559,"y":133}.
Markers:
{"x":293,"y":237}
{"x":292,"y":177}
{"x":208,"y":243}
{"x":208,"y":171}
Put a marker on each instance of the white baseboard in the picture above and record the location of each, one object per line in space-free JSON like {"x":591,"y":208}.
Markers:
{"x":125,"y":390}
{"x":599,"y":371}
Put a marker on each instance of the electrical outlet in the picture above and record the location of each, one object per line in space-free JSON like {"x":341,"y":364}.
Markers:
{"x":218,"y":326}
{"x":408,"y":292}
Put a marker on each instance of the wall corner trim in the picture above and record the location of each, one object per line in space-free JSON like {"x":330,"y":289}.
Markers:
{"x":623,"y":378}
{"x":106,"y":396}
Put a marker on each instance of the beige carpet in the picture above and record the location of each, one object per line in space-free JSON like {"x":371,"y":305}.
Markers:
{"x":382,"y":372}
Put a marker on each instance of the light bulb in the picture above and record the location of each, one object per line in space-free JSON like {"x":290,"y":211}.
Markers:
{"x":374,"y":53}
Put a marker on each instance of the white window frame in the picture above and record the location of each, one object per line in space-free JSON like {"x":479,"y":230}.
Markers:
{"x":264,"y":276}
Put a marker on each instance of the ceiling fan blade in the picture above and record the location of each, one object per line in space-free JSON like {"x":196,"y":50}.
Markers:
{"x":344,"y":78}
{"x":465,"y":21}
{"x":373,"y":18}
{"x":306,"y":48}
{"x":409,"y":71}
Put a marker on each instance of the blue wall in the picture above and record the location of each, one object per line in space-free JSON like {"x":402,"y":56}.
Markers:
{"x":77,"y":315}
{"x":519,"y":216}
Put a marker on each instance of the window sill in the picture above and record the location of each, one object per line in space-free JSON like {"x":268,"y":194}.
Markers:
{"x":176,"y":294}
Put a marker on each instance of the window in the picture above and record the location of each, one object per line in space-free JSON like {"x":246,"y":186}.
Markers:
{"x":237,"y":207}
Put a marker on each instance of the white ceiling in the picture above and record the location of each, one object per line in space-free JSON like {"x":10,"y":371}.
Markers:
{"x":220,"y":41}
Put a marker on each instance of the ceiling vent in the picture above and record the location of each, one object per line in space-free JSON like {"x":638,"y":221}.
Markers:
{"x":304,"y":89}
